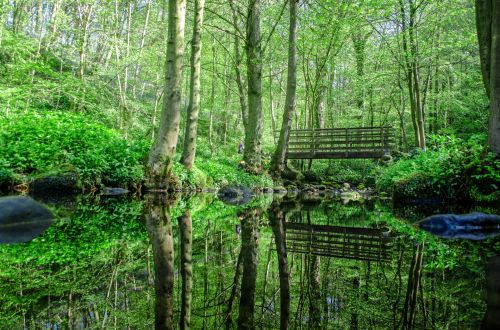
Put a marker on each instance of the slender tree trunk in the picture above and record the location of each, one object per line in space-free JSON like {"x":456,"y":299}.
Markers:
{"x":237,"y":67}
{"x":189,"y":151}
{"x":488,"y":27}
{"x":141,"y":46}
{"x":159,"y":228}
{"x":277,"y":218}
{"x":250,"y":258}
{"x":162,"y":154}
{"x":279,"y":157}
{"x":185,"y":229}
{"x":253,"y":132}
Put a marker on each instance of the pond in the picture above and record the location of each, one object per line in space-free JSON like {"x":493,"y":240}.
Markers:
{"x":121,"y":263}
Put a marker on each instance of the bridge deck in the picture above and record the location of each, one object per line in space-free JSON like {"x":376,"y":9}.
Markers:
{"x":336,"y":143}
{"x":367,"y":244}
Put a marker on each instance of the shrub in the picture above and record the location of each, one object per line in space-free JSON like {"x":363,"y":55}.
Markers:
{"x":454,"y":168}
{"x":36,"y":143}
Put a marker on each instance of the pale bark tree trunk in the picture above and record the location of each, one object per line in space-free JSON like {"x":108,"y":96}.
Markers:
{"x":488,"y":28}
{"x":250,"y":258}
{"x":162,"y":154}
{"x":277,"y":218}
{"x":189,"y":151}
{"x":279,"y":157}
{"x":253,"y":131}
{"x":159,"y":228}
{"x":186,"y":229}
{"x":237,"y":67}
{"x":412,"y":71}
{"x":141,"y":46}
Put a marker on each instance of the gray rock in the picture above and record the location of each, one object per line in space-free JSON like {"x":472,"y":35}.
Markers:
{"x":114,"y":191}
{"x":235,"y":195}
{"x":472,"y":226}
{"x":22,"y":219}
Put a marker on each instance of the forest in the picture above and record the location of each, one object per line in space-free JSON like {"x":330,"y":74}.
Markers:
{"x":250,"y":164}
{"x":117,"y":94}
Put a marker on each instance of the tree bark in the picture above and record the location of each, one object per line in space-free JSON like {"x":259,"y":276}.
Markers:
{"x":253,"y":131}
{"x":162,"y":154}
{"x":279,"y":157}
{"x":159,"y":228}
{"x":250,"y":258}
{"x":186,"y":229}
{"x":488,"y":31}
{"x":277,"y":218}
{"x":189,"y":151}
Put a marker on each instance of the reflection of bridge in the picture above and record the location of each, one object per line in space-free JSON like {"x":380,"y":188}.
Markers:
{"x":342,"y":242}
{"x":335,"y":143}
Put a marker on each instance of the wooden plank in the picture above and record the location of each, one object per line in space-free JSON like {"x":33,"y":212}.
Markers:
{"x":335,"y":155}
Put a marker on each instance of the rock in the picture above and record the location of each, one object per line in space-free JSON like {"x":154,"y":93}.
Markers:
{"x":312,"y":177}
{"x":350,"y":196}
{"x":66,"y":183}
{"x":346,"y":186}
{"x":22,"y":219}
{"x":235,"y":195}
{"x":114,"y":191}
{"x":267,"y":190}
{"x":473,"y":226}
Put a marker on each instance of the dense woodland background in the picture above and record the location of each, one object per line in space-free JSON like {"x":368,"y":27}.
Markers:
{"x":410,"y":64}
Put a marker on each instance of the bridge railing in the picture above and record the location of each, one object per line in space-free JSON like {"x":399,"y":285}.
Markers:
{"x":354,"y":142}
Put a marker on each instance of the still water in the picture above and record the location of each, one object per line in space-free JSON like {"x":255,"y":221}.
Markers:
{"x":174,"y":262}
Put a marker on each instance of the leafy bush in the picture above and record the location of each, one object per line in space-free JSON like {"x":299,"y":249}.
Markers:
{"x":36,"y":143}
{"x":453,"y":167}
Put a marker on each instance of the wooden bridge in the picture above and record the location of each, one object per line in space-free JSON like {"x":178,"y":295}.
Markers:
{"x":337,"y":143}
{"x":369,"y":244}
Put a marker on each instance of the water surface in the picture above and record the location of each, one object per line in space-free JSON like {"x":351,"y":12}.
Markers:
{"x":122,"y":263}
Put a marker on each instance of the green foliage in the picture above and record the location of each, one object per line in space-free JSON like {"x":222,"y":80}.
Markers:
{"x":35,"y":143}
{"x":452,"y":168}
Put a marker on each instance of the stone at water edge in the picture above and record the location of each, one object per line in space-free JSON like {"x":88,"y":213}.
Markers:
{"x":114,"y":191}
{"x":22,"y":219}
{"x":473,"y":226}
{"x":235,"y":195}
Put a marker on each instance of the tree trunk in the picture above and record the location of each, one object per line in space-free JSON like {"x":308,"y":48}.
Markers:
{"x":250,"y":258}
{"x":237,"y":68}
{"x":277,"y":218}
{"x":185,"y":229}
{"x":160,"y":232}
{"x":488,"y":28}
{"x":253,"y":131}
{"x":162,"y":154}
{"x":279,"y":157}
{"x":189,"y":151}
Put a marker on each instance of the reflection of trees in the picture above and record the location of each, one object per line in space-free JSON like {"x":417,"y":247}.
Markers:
{"x":250,"y":256}
{"x":491,"y":319}
{"x":185,"y":230}
{"x":277,"y":218}
{"x":159,"y":227}
{"x":414,"y":281}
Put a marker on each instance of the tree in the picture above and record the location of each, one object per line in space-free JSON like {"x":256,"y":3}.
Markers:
{"x":278,"y":161}
{"x":190,"y":133}
{"x":488,"y":32}
{"x":253,"y":131}
{"x":162,"y":154}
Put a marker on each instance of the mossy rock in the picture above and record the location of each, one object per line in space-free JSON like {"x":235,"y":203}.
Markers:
{"x":60,"y":183}
{"x":312,"y":177}
{"x":415,"y":188}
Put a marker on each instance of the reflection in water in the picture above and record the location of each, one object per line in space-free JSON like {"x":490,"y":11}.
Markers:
{"x":330,"y":266}
{"x":186,"y":234}
{"x":250,"y":259}
{"x":276,"y":219}
{"x":159,"y":227}
{"x":491,"y":319}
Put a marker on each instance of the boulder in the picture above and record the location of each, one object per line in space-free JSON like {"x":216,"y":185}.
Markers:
{"x":473,"y":226}
{"x":22,"y":219}
{"x":65,"y":183}
{"x":114,"y":191}
{"x":235,"y":195}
